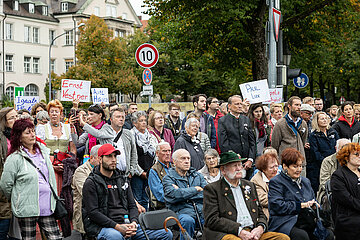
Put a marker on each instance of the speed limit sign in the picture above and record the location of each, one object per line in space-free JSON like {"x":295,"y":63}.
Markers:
{"x":147,"y":55}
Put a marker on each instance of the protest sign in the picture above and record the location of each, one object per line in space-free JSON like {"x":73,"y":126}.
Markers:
{"x":75,"y":89}
{"x":257,"y":91}
{"x":25,"y":102}
{"x":100,"y":95}
{"x":276,"y":95}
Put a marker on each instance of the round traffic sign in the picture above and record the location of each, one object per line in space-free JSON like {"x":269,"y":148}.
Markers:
{"x":301,"y":81}
{"x":147,"y":55}
{"x":147,"y":76}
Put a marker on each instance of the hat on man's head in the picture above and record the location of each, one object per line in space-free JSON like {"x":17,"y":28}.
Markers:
{"x":229,"y":157}
{"x":307,"y":107}
{"x":107,"y":149}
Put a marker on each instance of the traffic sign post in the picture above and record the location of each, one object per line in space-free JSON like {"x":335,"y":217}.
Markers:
{"x":301,"y":81}
{"x":147,"y":76}
{"x":147,"y":55}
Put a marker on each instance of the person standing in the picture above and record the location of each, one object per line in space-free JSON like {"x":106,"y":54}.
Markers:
{"x":319,"y":104}
{"x":156,"y":128}
{"x":291,"y":130}
{"x":213,"y":109}
{"x":172,"y":121}
{"x":131,"y":109}
{"x":347,"y":126}
{"x":235,"y":133}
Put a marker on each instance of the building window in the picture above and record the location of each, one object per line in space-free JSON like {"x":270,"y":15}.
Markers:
{"x":9,"y":65}
{"x":68,"y":64}
{"x":111,"y":10}
{"x":27,"y":62}
{"x":36,"y":35}
{"x":31,"y":90}
{"x":52,"y":65}
{"x":10,"y":92}
{"x":64,"y":6}
{"x":69,"y":38}
{"x":16,"y":5}
{"x":36,"y":65}
{"x":51,"y":36}
{"x":96,"y":11}
{"x":31,"y":8}
{"x":45,"y":10}
{"x":9,"y":31}
{"x":119,"y":33}
{"x":124,"y":16}
{"x":27,"y":33}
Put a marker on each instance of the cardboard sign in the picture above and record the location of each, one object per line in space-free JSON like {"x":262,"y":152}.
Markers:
{"x":25,"y":102}
{"x":276,"y":95}
{"x":75,"y":89}
{"x":257,"y":91}
{"x":100,"y":95}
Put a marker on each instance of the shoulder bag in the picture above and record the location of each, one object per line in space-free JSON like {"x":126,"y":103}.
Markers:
{"x":60,"y":210}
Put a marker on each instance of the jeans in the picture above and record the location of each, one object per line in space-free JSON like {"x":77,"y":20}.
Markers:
{"x":4,"y":228}
{"x":189,"y":224}
{"x":138,"y":186}
{"x":113,"y":234}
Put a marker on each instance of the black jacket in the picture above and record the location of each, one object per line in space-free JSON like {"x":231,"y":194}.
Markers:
{"x":194,"y":148}
{"x":95,"y":202}
{"x":128,"y":123}
{"x":344,"y":130}
{"x":236,"y":135}
{"x":345,"y":203}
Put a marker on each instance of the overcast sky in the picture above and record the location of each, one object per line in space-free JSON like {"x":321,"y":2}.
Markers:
{"x":136,"y":4}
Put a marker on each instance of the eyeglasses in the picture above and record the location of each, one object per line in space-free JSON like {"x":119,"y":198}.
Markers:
{"x":159,"y":118}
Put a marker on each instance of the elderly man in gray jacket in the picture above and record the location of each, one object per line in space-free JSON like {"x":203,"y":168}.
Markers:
{"x":120,"y":138}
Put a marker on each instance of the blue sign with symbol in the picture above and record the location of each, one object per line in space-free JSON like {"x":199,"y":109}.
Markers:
{"x":301,"y":81}
{"x":147,"y":76}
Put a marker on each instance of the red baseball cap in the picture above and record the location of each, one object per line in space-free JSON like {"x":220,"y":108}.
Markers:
{"x":107,"y":149}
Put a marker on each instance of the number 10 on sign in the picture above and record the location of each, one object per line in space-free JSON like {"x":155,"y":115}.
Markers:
{"x":147,"y":55}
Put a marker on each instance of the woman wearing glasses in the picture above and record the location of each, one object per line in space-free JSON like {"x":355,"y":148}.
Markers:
{"x":289,"y":197}
{"x":156,"y":123}
{"x":345,"y":186}
{"x":268,"y":165}
{"x":210,"y":172}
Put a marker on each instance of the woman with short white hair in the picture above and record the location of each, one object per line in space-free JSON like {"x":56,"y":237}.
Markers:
{"x":210,"y":172}
{"x":187,"y":140}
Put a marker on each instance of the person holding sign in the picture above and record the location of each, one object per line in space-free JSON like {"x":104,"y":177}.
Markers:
{"x":57,"y":137}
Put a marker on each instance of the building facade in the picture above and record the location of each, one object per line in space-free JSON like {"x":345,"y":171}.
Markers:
{"x":29,"y":26}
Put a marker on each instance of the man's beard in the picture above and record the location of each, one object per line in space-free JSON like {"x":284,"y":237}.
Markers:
{"x":107,"y":167}
{"x":233,"y":175}
{"x":295,"y":113}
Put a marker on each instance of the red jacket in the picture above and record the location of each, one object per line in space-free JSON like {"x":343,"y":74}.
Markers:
{"x":216,"y":121}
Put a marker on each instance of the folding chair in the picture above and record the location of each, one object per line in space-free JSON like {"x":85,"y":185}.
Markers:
{"x":154,"y":220}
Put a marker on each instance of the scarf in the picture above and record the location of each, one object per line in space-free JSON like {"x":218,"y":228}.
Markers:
{"x":342,"y":118}
{"x":291,"y":123}
{"x":7,"y":132}
{"x":92,"y":139}
{"x":143,"y":141}
{"x":260,"y":125}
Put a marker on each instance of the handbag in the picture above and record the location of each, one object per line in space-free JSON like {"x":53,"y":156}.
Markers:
{"x":306,"y":220}
{"x":60,"y":209}
{"x":320,"y":232}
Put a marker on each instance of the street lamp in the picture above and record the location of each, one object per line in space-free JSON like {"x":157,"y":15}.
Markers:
{"x":51,"y":44}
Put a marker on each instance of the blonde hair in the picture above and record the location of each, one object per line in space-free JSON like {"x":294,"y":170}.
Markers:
{"x":315,"y":124}
{"x":55,"y":104}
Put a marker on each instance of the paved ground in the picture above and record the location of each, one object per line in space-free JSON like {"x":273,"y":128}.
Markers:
{"x":75,"y":235}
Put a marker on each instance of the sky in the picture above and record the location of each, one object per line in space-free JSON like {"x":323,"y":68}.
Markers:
{"x":136,"y":4}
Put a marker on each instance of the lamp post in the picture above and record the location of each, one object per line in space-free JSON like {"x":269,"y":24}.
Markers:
{"x":287,"y":59}
{"x":51,"y":44}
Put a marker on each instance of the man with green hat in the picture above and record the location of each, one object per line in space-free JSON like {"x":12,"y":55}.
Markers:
{"x":231,"y":206}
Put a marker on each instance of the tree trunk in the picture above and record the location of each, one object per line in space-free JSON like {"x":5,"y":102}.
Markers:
{"x":321,"y":86}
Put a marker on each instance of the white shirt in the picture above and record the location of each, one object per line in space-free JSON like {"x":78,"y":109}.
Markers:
{"x":40,"y":132}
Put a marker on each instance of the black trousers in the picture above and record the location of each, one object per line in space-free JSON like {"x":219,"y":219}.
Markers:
{"x":300,"y":234}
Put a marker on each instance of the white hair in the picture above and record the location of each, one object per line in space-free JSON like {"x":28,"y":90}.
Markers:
{"x":177,"y":153}
{"x":94,"y":150}
{"x":189,"y":121}
{"x":341,"y":142}
{"x":161,"y":143}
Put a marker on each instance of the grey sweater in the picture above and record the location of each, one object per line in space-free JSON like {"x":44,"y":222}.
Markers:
{"x":107,"y":135}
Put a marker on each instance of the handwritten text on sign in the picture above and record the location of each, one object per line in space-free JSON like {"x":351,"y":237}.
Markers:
{"x":100,"y":95}
{"x":257,"y":91}
{"x":25,"y":102}
{"x":75,"y":89}
{"x":276,"y":95}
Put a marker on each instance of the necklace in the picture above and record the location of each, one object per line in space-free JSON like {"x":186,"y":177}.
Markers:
{"x":54,"y":125}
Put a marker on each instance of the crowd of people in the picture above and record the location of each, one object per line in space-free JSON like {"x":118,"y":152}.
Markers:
{"x":229,"y":170}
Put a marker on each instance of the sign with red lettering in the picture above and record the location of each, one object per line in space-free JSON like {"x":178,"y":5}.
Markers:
{"x":75,"y":89}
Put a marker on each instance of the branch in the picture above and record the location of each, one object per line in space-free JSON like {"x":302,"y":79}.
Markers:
{"x":307,"y":12}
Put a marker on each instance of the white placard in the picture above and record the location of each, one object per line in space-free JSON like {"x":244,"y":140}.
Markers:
{"x":257,"y":91}
{"x":26,"y":102}
{"x":276,"y":95}
{"x":100,"y":95}
{"x":75,"y":89}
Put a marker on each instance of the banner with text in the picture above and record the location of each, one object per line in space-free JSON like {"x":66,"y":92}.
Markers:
{"x":75,"y":89}
{"x":276,"y":95}
{"x":100,"y":95}
{"x":25,"y":102}
{"x":257,"y":91}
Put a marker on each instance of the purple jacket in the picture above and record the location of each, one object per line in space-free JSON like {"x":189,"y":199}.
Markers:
{"x":166,"y":135}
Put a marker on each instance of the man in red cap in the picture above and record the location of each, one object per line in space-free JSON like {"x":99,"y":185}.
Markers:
{"x":108,"y":200}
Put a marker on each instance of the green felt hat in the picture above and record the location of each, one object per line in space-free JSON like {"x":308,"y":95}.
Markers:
{"x":229,"y":157}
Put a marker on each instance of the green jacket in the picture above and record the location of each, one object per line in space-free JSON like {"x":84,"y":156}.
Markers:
{"x":19,"y":182}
